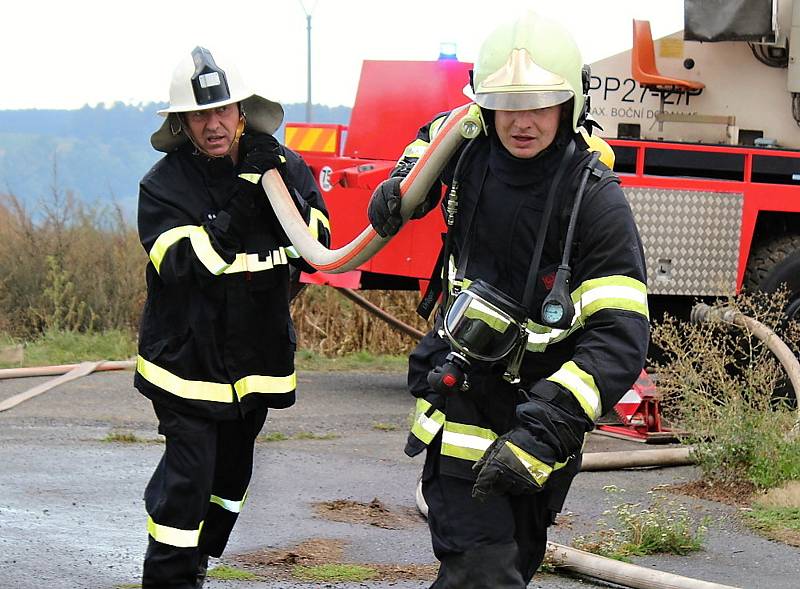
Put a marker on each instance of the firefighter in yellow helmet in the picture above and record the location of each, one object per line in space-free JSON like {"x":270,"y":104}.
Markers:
{"x":543,"y":324}
{"x":216,"y":342}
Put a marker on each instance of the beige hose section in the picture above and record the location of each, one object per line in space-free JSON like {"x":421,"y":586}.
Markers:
{"x":462,"y":123}
{"x":621,"y":573}
{"x":594,"y":461}
{"x":63,"y":369}
{"x":705,"y":313}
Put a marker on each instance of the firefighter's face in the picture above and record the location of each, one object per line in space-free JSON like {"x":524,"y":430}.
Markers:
{"x":214,"y":129}
{"x":525,"y":133}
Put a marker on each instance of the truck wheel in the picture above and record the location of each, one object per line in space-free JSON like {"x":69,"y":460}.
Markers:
{"x":772,"y":264}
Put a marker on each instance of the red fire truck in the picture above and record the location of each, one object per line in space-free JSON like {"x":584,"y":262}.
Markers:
{"x":704,"y":125}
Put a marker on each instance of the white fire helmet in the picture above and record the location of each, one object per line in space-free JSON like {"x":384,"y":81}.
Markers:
{"x":199,"y":83}
{"x":528,"y":63}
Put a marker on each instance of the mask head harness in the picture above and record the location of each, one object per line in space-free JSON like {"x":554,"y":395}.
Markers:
{"x":484,"y":324}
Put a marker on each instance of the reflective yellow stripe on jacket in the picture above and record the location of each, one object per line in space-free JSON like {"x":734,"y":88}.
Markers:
{"x":469,"y":442}
{"x":201,"y":244}
{"x":610,"y":292}
{"x":265,"y":384}
{"x":199,"y":390}
{"x":582,"y":386}
{"x":426,"y":423}
{"x":253,"y":262}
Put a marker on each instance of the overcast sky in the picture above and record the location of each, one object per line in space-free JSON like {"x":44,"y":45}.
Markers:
{"x":67,"y":54}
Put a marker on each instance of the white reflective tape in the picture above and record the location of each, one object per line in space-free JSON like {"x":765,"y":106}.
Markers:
{"x":465,"y":440}
{"x":613,"y":292}
{"x":428,"y":424}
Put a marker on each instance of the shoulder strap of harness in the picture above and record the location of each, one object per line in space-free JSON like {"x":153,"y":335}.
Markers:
{"x":600,"y":177}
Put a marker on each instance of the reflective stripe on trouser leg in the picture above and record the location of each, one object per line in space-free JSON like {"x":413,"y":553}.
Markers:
{"x":234,"y":461}
{"x":176,"y":499}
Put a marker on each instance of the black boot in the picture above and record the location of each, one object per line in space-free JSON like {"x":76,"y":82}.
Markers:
{"x":202,"y":570}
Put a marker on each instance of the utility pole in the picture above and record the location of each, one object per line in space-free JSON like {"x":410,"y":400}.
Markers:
{"x":308,"y":55}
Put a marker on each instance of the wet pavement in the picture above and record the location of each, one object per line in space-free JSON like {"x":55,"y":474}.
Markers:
{"x":71,"y":513}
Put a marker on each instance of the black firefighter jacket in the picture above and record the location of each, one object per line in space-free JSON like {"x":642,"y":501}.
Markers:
{"x":585,"y":368}
{"x":216,"y":338}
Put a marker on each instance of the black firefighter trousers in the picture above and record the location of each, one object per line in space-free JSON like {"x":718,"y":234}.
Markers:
{"x":199,"y":484}
{"x":496,"y":544}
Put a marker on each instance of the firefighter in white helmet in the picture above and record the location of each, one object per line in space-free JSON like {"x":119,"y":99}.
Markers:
{"x":543,"y":324}
{"x":216,"y":342}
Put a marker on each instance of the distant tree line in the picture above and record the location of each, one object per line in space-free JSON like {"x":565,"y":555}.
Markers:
{"x":97,"y":153}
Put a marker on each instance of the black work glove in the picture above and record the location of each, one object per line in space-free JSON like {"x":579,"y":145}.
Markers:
{"x":258,"y":153}
{"x":521,"y":460}
{"x":231,"y":224}
{"x":384,"y":208}
{"x":506,"y":469}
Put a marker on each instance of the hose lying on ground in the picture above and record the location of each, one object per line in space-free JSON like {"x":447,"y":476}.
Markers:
{"x":704,"y":313}
{"x":463,"y":122}
{"x":64,"y":368}
{"x":593,"y":461}
{"x":621,"y":573}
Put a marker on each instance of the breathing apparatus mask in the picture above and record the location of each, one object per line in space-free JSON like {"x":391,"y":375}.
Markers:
{"x":483,"y":324}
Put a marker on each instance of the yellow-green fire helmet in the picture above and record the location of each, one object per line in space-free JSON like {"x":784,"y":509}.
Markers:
{"x":528,"y":63}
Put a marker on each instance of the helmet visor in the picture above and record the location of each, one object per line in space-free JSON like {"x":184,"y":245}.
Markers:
{"x":522,"y":100}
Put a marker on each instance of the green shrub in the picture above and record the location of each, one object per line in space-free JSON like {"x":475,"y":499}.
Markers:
{"x":718,"y":383}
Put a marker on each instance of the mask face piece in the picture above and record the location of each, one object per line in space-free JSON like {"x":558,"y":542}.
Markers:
{"x":484,"y":323}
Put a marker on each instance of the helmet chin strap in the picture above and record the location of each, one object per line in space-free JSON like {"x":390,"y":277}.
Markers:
{"x":236,"y":136}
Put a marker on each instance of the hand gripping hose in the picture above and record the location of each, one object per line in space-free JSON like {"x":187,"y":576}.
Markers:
{"x":464,"y":122}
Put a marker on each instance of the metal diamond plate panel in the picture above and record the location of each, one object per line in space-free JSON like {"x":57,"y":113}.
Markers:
{"x":691,"y":239}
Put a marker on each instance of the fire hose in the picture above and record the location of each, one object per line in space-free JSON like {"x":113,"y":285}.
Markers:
{"x":704,"y":313}
{"x":463,"y":123}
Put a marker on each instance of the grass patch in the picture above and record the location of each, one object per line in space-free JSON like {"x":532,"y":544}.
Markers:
{"x":663,"y":527}
{"x":313,"y":436}
{"x":272,"y":437}
{"x":384,"y":427}
{"x":313,"y":361}
{"x":282,"y":437}
{"x":71,"y":347}
{"x":774,"y":518}
{"x":334,"y":572}
{"x":123,"y":438}
{"x":228,"y":573}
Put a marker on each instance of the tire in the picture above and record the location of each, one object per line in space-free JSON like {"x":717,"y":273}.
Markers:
{"x":772,"y":264}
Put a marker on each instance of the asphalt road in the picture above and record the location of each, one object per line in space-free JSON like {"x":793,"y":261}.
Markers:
{"x":72,"y":516}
